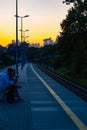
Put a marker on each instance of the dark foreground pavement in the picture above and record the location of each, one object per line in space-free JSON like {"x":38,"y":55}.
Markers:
{"x":17,"y":116}
{"x":39,"y":110}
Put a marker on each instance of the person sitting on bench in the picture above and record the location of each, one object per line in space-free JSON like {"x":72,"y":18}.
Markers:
{"x":9,"y":85}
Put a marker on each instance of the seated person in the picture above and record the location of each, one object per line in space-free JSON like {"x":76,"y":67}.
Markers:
{"x":9,"y":84}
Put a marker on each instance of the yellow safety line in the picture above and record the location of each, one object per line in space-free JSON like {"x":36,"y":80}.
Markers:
{"x":69,"y":112}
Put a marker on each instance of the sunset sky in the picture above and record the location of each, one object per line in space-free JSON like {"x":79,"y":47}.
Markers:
{"x":43,"y":22}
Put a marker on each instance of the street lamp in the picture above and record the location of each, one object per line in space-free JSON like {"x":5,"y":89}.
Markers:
{"x":23,"y":46}
{"x":16,"y":38}
{"x":21,"y":17}
{"x":24,"y":34}
{"x":25,"y":38}
{"x":17,"y":34}
{"x":24,"y":49}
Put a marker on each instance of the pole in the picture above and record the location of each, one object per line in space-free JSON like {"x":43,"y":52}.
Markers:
{"x":21,"y":28}
{"x":24,"y":36}
{"x":17,"y":37}
{"x":21,"y":42}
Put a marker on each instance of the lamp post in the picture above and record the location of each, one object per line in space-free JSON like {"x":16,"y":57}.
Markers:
{"x":24,"y":50}
{"x":21,"y":17}
{"x":24,"y":35}
{"x":23,"y":45}
{"x":17,"y":38}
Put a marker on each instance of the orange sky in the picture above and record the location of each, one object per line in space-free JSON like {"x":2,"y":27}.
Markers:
{"x":43,"y":22}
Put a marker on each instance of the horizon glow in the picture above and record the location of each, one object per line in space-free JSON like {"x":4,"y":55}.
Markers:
{"x":43,"y":22}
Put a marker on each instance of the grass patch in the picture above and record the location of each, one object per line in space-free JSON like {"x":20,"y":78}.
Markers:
{"x":72,"y":76}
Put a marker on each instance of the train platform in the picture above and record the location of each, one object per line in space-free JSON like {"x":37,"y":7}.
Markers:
{"x":46,"y":105}
{"x":17,"y":116}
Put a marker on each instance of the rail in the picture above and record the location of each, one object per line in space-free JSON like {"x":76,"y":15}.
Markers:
{"x":74,"y":87}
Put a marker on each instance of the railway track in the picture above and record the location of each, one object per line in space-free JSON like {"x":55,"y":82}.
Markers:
{"x":74,"y":87}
